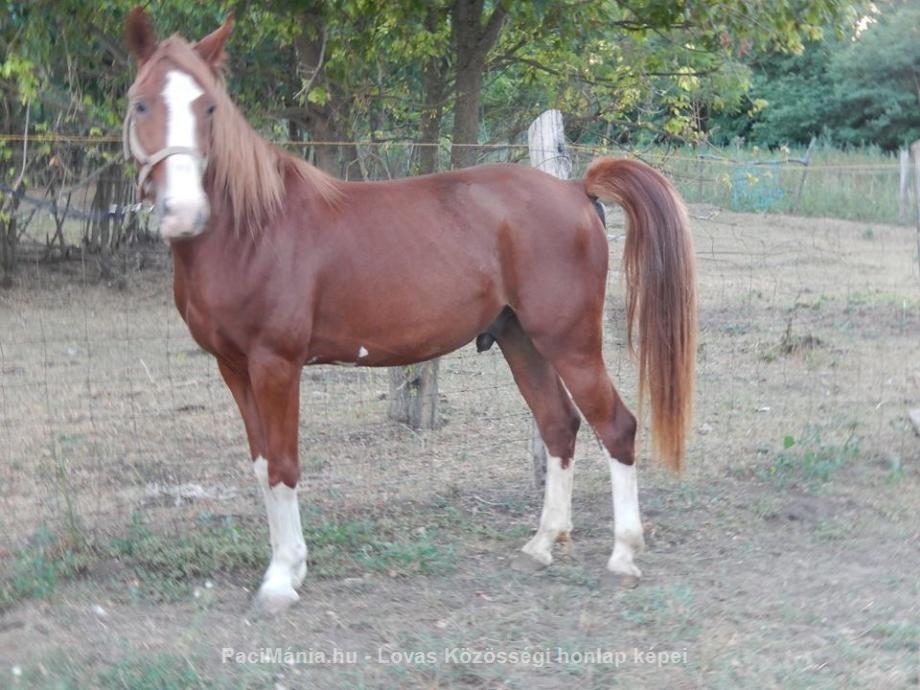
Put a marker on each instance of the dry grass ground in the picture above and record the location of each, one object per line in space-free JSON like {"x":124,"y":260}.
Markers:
{"x":787,"y":557}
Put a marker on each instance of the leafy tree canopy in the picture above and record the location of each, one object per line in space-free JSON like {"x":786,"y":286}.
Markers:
{"x":617,"y":68}
{"x":862,"y":87}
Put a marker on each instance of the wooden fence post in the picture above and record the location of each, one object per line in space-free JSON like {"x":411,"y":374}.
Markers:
{"x":414,"y":395}
{"x":915,"y":154}
{"x":904,"y":198}
{"x":700,"y":170}
{"x":546,"y":141}
{"x":806,"y":160}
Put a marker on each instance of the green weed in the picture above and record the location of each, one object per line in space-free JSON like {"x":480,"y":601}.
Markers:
{"x":130,"y":671}
{"x":36,"y":570}
{"x":809,"y":461}
{"x":167,"y":567}
{"x":856,"y":184}
{"x":162,"y":671}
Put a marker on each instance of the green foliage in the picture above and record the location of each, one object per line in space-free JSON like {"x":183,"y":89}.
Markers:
{"x":622,"y":70}
{"x":647,"y":70}
{"x":339,"y":547}
{"x":808,"y":461}
{"x":876,"y":80}
{"x":128,"y":670}
{"x":168,"y":567}
{"x":163,"y":671}
{"x":789,"y":101}
{"x":35,"y":571}
{"x":856,"y":183}
{"x":22,"y":70}
{"x":857,"y":89}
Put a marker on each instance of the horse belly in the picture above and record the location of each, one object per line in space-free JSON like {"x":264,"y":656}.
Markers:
{"x":406,"y":323}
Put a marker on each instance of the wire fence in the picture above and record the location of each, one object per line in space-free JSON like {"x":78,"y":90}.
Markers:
{"x":77,"y":194}
{"x":110,"y":413}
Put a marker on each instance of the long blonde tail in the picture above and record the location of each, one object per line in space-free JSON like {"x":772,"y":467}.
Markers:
{"x":660,"y":270}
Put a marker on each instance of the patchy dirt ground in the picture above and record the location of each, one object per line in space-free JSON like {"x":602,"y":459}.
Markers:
{"x":787,"y":557}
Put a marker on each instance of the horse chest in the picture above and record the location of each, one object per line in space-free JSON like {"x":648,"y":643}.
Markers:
{"x":197,"y":322}
{"x":198,"y":317}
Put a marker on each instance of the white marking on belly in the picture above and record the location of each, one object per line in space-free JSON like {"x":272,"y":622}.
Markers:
{"x":362,"y":352}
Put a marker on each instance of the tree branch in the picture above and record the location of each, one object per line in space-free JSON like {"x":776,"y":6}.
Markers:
{"x":25,"y":147}
{"x":489,"y":34}
{"x":595,"y":82}
{"x":320,"y":62}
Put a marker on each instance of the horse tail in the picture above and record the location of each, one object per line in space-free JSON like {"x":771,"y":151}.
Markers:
{"x":659,"y":266}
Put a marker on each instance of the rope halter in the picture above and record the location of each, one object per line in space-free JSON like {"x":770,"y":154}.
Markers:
{"x":133,"y":148}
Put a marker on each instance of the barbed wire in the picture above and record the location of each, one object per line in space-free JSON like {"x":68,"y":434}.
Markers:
{"x":112,"y":395}
{"x":114,"y":210}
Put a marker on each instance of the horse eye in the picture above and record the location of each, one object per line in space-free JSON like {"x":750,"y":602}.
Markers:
{"x":140,"y":107}
{"x":210,"y":109}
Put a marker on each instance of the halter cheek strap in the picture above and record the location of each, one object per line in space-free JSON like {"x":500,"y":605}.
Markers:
{"x":133,"y":148}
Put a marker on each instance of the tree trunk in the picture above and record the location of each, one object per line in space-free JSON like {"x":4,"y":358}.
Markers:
{"x":9,"y":237}
{"x":323,"y":131}
{"x":466,"y":117}
{"x":434,"y":76}
{"x":329,"y":121}
{"x":471,"y":40}
{"x":414,"y":392}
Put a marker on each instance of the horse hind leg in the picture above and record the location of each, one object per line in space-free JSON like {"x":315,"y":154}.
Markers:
{"x":558,"y":422}
{"x":587,"y":379}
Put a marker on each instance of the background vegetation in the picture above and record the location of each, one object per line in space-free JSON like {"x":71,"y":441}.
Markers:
{"x":471,"y":71}
{"x":130,"y":531}
{"x":860,"y":87}
{"x":371,"y":89}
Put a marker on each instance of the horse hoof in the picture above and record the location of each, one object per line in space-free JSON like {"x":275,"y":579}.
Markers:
{"x":622,"y":581}
{"x":564,"y":540}
{"x":275,"y":600}
{"x":525,"y":563}
{"x":299,"y":574}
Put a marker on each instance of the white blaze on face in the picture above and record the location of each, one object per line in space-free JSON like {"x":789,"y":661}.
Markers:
{"x":183,"y":202}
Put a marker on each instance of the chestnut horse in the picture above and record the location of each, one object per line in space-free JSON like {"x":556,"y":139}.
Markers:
{"x":278,"y":265}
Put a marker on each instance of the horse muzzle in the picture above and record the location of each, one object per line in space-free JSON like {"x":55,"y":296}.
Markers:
{"x":182,"y":219}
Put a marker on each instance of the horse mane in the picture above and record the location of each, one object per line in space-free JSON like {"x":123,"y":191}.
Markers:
{"x":245,"y":171}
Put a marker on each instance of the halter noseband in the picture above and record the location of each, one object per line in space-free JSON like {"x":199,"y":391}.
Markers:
{"x":132,"y":147}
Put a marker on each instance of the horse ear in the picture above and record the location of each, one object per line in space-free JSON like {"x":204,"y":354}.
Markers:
{"x":211,"y":47}
{"x":140,"y":36}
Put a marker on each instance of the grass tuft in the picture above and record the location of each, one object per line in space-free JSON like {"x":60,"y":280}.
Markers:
{"x":36,"y":570}
{"x":808,"y":461}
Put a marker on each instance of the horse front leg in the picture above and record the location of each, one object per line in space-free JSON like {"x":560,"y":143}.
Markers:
{"x":276,"y":391}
